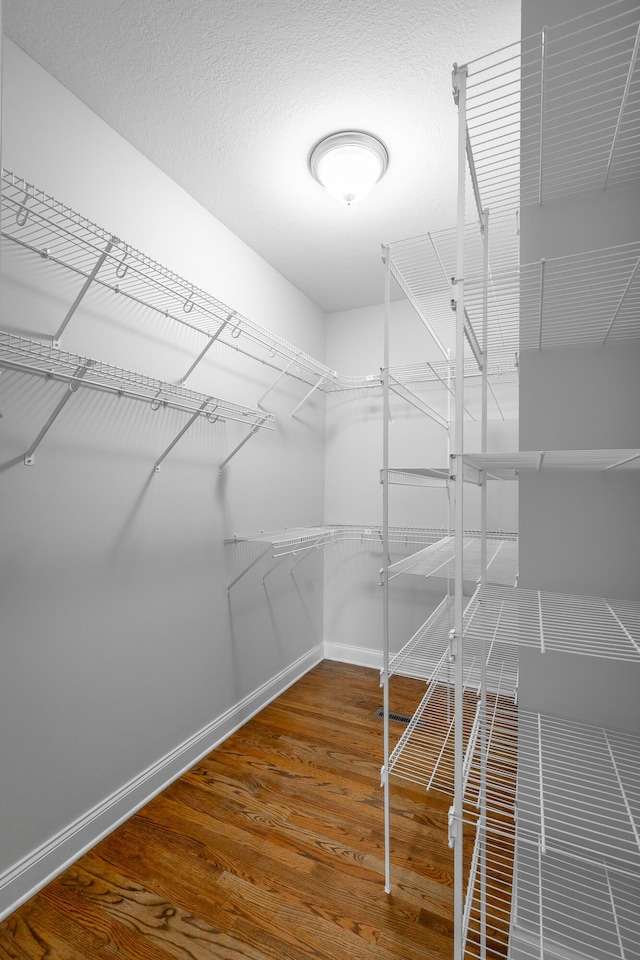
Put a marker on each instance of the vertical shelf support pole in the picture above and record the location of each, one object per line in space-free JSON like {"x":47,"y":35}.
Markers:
{"x":543,"y":264}
{"x":386,"y":253}
{"x":543,"y":94}
{"x":71,"y":389}
{"x":76,"y":303}
{"x":460,"y":87}
{"x":483,"y":582}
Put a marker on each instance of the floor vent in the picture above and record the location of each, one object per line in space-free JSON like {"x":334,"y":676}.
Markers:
{"x":400,"y":717}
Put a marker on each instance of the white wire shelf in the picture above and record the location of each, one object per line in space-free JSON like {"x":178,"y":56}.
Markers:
{"x":509,"y":466}
{"x":488,"y":903}
{"x":579,"y":791}
{"x":588,"y":298}
{"x":565,"y":908}
{"x":577,"y":864}
{"x":424,"y":754}
{"x":425,"y":268}
{"x":558,"y":112}
{"x":54,"y":232}
{"x":298,"y":536}
{"x":548,"y":906}
{"x":299,"y":542}
{"x":36,"y":221}
{"x":38,"y":359}
{"x":554,"y":622}
{"x":417,"y":476}
{"x":438,"y":560}
{"x":422,"y":656}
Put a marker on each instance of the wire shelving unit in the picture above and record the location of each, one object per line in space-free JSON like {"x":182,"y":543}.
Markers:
{"x":298,"y":542}
{"x":555,"y":870}
{"x":437,"y":560}
{"x":557,"y":874}
{"x":31,"y":357}
{"x":54,"y":232}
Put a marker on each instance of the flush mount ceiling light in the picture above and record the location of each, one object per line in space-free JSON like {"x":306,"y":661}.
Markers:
{"x":349,"y":164}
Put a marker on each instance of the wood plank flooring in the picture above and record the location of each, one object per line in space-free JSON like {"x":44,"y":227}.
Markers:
{"x":271,"y":848}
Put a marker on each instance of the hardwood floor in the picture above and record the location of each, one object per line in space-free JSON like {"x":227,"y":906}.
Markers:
{"x":271,"y":847}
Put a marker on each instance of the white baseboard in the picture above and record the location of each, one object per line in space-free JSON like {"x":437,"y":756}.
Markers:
{"x":358,"y":656}
{"x":38,"y":868}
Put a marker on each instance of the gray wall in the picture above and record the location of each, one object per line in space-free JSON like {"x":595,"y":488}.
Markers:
{"x":119,"y":643}
{"x":579,"y":534}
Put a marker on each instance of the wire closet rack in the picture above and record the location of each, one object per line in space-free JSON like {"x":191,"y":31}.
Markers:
{"x":554,"y":804}
{"x":298,"y":542}
{"x":52,"y":231}
{"x":34,"y":358}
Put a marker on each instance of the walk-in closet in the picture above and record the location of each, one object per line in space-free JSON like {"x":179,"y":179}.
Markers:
{"x":320,"y":586}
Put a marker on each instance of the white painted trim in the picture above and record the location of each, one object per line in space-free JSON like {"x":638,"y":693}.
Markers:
{"x":25,"y":878}
{"x":358,"y":656}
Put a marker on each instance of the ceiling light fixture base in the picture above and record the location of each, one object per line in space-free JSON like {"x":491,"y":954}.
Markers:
{"x":349,"y":164}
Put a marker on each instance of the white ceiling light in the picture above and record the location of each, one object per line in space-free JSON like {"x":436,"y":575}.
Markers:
{"x":349,"y":164}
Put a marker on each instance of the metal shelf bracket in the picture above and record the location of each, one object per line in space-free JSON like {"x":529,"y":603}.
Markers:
{"x":306,"y":397}
{"x":452,"y":828}
{"x":206,"y":347}
{"x":189,"y":423}
{"x":252,"y":432}
{"x":76,"y":303}
{"x":275,"y":382}
{"x":248,"y":567}
{"x":71,"y":389}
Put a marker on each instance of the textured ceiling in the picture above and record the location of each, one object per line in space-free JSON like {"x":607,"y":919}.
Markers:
{"x":229,"y":96}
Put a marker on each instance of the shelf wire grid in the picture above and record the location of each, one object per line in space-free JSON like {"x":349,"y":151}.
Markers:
{"x":590,"y":297}
{"x":53,"y":231}
{"x":490,"y":939}
{"x":564,"y":907}
{"x":438,"y":560}
{"x":422,"y":656}
{"x":298,"y":536}
{"x":424,"y":753}
{"x":579,"y":792}
{"x":557,"y":112}
{"x":587,"y":298}
{"x":509,"y":465}
{"x":425,"y":270}
{"x":576,"y":883}
{"x":38,"y":359}
{"x":36,"y":221}
{"x":554,"y":622}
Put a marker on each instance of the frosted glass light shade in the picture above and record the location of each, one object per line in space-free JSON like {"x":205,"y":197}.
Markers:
{"x":349,"y":164}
